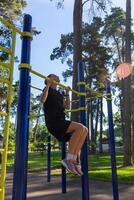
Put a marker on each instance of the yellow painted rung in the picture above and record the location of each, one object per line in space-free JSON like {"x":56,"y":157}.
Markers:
{"x":0,"y":190}
{"x":1,"y":151}
{"x":2,"y":80}
{"x":10,"y":25}
{"x":3,"y":114}
{"x":5,"y":50}
{"x":6,"y":65}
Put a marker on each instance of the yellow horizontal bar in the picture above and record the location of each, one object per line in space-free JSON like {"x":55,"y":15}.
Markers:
{"x":91,"y":98}
{"x":6,"y":65}
{"x":77,"y":109}
{"x":5,"y":50}
{"x":35,"y":87}
{"x":77,"y":100}
{"x":59,"y":84}
{"x":35,"y":116}
{"x":10,"y":25}
{"x":3,"y":114}
{"x":2,"y":80}
{"x":81,"y":83}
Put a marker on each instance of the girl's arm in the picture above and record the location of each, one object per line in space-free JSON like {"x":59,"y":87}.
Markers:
{"x":44,"y":94}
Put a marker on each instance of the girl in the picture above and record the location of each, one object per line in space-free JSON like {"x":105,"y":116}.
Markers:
{"x":54,"y":105}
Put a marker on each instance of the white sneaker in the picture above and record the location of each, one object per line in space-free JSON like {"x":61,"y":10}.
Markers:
{"x":69,"y":165}
{"x":78,"y":168}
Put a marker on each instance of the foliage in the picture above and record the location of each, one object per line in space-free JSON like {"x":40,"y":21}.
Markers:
{"x":95,"y":54}
{"x":12,"y":9}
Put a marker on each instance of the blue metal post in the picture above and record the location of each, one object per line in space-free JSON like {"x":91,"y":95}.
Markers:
{"x":49,"y":159}
{"x":21,"y":154}
{"x":112,"y":143}
{"x":84,"y":153}
{"x":63,"y":152}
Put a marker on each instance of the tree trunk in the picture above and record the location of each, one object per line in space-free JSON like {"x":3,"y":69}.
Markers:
{"x":96,"y":126}
{"x":133,"y":138}
{"x":87,"y":122}
{"x":122,"y":112}
{"x":127,"y":91}
{"x":132,"y":111}
{"x":101,"y":129}
{"x":36,"y":125}
{"x":77,"y":54}
{"x":92,"y":132}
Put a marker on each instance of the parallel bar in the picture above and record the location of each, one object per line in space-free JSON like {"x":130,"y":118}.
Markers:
{"x":22,"y":132}
{"x":49,"y":159}
{"x":36,"y":88}
{"x":63,"y":155}
{"x":3,"y":114}
{"x":35,"y":116}
{"x":59,"y":84}
{"x":76,"y":110}
{"x":84,"y":153}
{"x":2,"y":80}
{"x":5,"y":50}
{"x":112,"y":145}
{"x":7,"y":120}
{"x":10,"y":26}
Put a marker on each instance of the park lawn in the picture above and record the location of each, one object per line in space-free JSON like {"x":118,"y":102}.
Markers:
{"x":99,"y":166}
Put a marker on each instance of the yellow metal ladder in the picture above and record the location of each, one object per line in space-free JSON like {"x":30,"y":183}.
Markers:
{"x":6,"y":114}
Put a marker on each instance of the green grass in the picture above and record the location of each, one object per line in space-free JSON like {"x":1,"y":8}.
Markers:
{"x":99,"y":166}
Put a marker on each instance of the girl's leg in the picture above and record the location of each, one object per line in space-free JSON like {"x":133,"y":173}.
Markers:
{"x":79,"y":133}
{"x":81,"y":141}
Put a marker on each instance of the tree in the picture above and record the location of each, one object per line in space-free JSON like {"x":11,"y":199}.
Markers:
{"x":114,"y":29}
{"x":77,"y":49}
{"x":94,"y":53}
{"x":77,"y":40}
{"x":127,"y":91}
{"x":101,"y":126}
{"x":12,"y":9}
{"x":118,"y":29}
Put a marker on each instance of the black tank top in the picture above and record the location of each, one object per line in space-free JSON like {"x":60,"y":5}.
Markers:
{"x":54,"y":106}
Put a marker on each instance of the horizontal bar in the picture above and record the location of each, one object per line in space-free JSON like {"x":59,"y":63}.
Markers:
{"x":5,"y":50}
{"x":35,"y":87}
{"x":6,"y":65}
{"x":10,"y":26}
{"x":59,"y":84}
{"x":2,"y":80}
{"x":3,"y":114}
{"x":35,"y":116}
{"x":76,"y":110}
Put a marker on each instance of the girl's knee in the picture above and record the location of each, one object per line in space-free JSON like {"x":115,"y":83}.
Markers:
{"x":80,"y":127}
{"x":85,"y":130}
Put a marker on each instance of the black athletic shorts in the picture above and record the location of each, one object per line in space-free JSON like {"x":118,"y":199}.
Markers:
{"x":59,"y":128}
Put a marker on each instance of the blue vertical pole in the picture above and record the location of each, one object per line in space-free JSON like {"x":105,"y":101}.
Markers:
{"x":49,"y":159}
{"x":84,"y":153}
{"x":112,"y":143}
{"x":63,"y":155}
{"x":21,"y":154}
